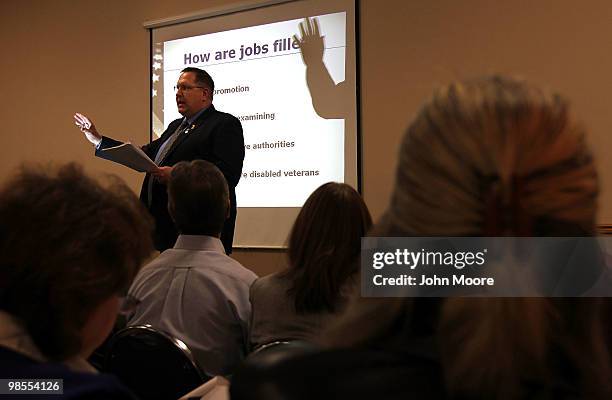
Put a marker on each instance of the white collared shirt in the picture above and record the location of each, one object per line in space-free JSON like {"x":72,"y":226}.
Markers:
{"x":196,"y":293}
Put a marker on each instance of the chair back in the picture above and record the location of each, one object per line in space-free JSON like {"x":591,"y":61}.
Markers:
{"x":254,"y":378}
{"x":270,"y":345}
{"x":278,"y":351}
{"x":153,"y":364}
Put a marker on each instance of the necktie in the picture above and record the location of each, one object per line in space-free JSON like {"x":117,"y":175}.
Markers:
{"x":161,"y":154}
{"x":168,"y":144}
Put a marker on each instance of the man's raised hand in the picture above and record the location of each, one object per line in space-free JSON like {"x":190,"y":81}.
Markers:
{"x":88,"y":128}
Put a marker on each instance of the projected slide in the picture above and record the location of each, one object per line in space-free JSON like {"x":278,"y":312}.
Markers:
{"x":294,"y":128}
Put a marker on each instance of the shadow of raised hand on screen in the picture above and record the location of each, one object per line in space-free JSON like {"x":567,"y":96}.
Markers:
{"x":328,"y":98}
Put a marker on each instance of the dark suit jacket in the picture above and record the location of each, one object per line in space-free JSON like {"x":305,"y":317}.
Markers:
{"x":216,"y":137}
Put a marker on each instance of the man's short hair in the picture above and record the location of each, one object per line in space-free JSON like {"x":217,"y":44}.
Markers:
{"x":198,"y":198}
{"x":67,"y":244}
{"x":202,"y":78}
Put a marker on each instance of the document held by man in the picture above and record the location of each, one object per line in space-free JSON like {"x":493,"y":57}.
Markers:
{"x":215,"y":389}
{"x":131,"y":156}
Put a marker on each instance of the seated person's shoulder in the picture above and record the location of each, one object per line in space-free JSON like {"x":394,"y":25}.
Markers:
{"x":89,"y":386}
{"x":270,"y":283}
{"x":225,"y":265}
{"x":275,"y":279}
{"x":75,"y":385}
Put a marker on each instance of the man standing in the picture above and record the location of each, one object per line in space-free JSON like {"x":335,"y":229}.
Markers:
{"x":203,"y":133}
{"x":194,"y":291}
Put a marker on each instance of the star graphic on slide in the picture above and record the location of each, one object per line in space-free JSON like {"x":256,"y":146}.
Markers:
{"x":154,"y":92}
{"x":158,"y":57}
{"x":155,"y":77}
{"x":156,"y":65}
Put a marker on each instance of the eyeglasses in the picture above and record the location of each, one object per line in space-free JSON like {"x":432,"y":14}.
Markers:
{"x":184,"y":88}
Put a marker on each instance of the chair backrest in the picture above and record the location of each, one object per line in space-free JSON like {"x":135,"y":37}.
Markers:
{"x":276,"y":352}
{"x":270,"y":345}
{"x":153,"y":364}
{"x":254,"y":378}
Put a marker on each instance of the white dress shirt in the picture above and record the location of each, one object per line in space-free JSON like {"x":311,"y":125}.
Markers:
{"x":198,"y":294}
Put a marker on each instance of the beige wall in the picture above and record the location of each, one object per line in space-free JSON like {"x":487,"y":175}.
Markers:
{"x":63,"y":56}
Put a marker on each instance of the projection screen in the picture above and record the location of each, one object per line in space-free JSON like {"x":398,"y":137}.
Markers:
{"x":298,"y":105}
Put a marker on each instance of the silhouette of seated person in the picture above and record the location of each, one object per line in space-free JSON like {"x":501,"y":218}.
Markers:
{"x":493,"y":156}
{"x":70,"y":248}
{"x":194,"y":291}
{"x":322,"y":256}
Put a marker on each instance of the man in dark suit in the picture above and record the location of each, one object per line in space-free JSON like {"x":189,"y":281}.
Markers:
{"x":203,"y":133}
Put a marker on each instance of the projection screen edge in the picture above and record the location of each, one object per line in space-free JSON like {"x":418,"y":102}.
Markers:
{"x":212,"y":12}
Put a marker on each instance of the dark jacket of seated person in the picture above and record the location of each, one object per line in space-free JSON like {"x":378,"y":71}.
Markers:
{"x":77,"y":383}
{"x":324,"y":243}
{"x":70,"y":248}
{"x":194,"y":291}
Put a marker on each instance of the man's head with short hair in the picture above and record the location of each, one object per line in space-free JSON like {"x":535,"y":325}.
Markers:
{"x":195,"y":89}
{"x":198,"y":198}
{"x":68,"y":247}
{"x":202,"y":78}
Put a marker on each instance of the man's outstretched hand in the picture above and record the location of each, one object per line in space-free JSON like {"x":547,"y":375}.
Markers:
{"x":88,"y":128}
{"x":311,"y":43}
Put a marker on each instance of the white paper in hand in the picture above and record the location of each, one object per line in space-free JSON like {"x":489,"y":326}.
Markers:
{"x":215,"y":389}
{"x":131,"y":156}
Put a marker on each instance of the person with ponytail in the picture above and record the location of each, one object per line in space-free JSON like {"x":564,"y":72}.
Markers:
{"x":494,"y":156}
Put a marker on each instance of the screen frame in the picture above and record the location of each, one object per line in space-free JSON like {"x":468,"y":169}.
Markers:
{"x":245,"y":7}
